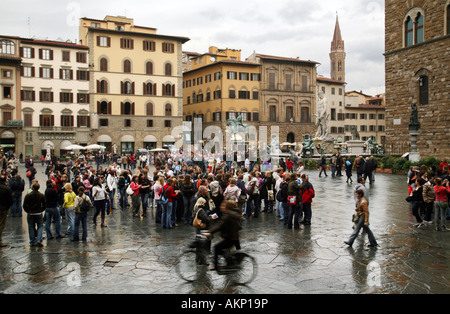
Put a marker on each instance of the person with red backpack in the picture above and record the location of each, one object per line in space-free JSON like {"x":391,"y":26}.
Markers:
{"x":307,"y":196}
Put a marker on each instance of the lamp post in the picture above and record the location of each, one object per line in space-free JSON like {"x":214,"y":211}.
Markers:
{"x":414,"y":130}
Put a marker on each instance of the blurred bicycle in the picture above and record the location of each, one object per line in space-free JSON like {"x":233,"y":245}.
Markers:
{"x":239,"y":266}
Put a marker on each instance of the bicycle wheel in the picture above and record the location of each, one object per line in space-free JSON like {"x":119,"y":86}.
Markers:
{"x":246,"y":268}
{"x":189,"y":265}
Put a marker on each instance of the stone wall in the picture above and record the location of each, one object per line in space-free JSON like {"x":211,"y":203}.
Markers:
{"x":405,"y":66}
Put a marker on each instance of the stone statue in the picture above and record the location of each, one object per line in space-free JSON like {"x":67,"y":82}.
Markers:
{"x":372,"y":145}
{"x":274,"y":147}
{"x":308,"y":146}
{"x":355,"y":133}
{"x":414,"y":124}
{"x":322,"y":117}
{"x":237,"y":124}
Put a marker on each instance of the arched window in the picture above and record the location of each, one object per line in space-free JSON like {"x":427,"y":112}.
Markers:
{"x":103,"y":65}
{"x":419,"y":28}
{"x":423,"y":90}
{"x":168,"y":69}
{"x":149,"y":89}
{"x":127,"y":66}
{"x":103,"y":87}
{"x":149,"y":68}
{"x":448,"y":19}
{"x":127,"y":108}
{"x":7,"y":47}
{"x":168,"y":110}
{"x":103,"y":107}
{"x":272,"y":113}
{"x":409,"y":32}
{"x":149,"y":109}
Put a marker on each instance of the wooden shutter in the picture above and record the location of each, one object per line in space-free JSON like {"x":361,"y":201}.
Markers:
{"x":122,"y":108}
{"x":109,"y":107}
{"x":132,"y":108}
{"x":99,"y":107}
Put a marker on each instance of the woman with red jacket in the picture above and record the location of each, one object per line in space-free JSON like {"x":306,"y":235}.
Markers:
{"x":167,"y":196}
{"x":442,"y":190}
{"x":307,"y":196}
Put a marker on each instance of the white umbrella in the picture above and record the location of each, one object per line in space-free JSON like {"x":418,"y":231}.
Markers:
{"x":74,"y":147}
{"x":95,"y":147}
{"x":158,"y":150}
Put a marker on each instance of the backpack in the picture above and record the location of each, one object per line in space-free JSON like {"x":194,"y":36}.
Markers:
{"x":250,"y":189}
{"x":85,"y":206}
{"x":164,"y":199}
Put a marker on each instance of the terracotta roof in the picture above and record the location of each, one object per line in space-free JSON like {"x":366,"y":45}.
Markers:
{"x":325,"y":79}
{"x":52,"y":43}
{"x":277,"y":58}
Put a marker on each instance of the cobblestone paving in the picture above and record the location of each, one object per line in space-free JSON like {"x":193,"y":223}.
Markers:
{"x":135,"y":255}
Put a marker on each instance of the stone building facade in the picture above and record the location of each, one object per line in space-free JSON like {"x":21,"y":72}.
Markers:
{"x":417,"y":62}
{"x":288,"y":95}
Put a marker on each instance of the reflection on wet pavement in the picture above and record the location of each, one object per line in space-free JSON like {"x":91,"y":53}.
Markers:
{"x":135,"y":255}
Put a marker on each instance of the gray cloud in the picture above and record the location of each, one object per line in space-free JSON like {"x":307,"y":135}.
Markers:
{"x":287,"y":28}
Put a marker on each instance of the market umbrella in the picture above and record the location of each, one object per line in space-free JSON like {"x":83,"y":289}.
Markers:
{"x":95,"y":147}
{"x":74,"y":147}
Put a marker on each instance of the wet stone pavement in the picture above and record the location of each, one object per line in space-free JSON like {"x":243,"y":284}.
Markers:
{"x":136,"y":256}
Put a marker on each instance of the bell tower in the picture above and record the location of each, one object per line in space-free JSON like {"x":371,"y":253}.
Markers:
{"x":337,"y":55}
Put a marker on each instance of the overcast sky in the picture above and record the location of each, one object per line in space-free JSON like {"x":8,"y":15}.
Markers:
{"x":287,"y":28}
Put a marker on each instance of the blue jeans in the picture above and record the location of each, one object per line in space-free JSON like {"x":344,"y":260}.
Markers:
{"x":187,"y":200}
{"x":280,"y":210}
{"x":123,"y":200}
{"x":159,"y":209}
{"x":112,"y":195}
{"x":440,"y":211}
{"x":80,"y":218}
{"x":166,"y":217}
{"x":358,"y":227}
{"x":16,"y":208}
{"x":35,"y":228}
{"x":295,"y":212}
{"x":144,"y":202}
{"x":70,"y":219}
{"x":52,"y":214}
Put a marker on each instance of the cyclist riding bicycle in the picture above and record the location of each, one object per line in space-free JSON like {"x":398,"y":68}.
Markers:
{"x":228,"y":225}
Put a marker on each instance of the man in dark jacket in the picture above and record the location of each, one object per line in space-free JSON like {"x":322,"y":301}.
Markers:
{"x":51,"y":211}
{"x":34,"y":204}
{"x":5,"y":204}
{"x":17,"y":186}
{"x":294,"y":201}
{"x":228,"y":225}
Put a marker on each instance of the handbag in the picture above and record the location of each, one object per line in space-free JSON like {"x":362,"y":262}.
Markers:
{"x":270,"y":196}
{"x":129,"y":190}
{"x":198,"y":223}
{"x":408,"y":199}
{"x":212,"y":206}
{"x":355,"y":217}
{"x":292,"y":200}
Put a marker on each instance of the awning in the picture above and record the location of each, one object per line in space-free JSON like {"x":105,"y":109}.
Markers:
{"x":127,"y":138}
{"x":104,"y":139}
{"x":47,"y":144}
{"x":150,"y":139}
{"x":168,"y":139}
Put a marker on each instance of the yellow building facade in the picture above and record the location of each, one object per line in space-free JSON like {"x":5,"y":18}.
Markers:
{"x":135,"y":83}
{"x":220,"y":86}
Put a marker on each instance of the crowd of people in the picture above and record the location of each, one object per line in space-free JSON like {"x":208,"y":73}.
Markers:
{"x":429,"y":190}
{"x":180,"y":191}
